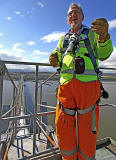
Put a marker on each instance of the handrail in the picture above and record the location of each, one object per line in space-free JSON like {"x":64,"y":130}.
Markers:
{"x":107,"y":104}
{"x":29,"y":115}
{"x":46,"y":64}
{"x":26,"y":63}
{"x":50,"y":107}
{"x":35,"y":115}
{"x":35,"y":110}
{"x":47,"y":79}
{"x":5,"y":114}
{"x":107,"y":68}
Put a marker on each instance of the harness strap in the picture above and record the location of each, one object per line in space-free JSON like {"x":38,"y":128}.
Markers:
{"x":84,"y":111}
{"x":94,"y":130}
{"x":72,"y":112}
{"x":68,"y":111}
{"x":90,"y":51}
{"x":86,"y":72}
{"x":74,"y":74}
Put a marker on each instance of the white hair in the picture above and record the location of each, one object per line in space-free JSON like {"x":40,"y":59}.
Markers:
{"x":76,"y":5}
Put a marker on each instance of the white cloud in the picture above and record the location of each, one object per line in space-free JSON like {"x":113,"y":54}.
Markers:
{"x":46,"y":60}
{"x":9,"y":18}
{"x":47,"y":69}
{"x":111,"y":61}
{"x":9,"y":55}
{"x":17,"y":12}
{"x":1,"y":34}
{"x":31,"y":43}
{"x":20,"y":67}
{"x":16,"y":49}
{"x":40,"y":4}
{"x":54,"y":36}
{"x":37,"y":52}
{"x":1,"y":46}
{"x":30,"y":10}
{"x":112,"y":24}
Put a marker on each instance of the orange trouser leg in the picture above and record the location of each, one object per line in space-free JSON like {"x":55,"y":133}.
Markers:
{"x":66,"y":134}
{"x":80,"y":95}
{"x":89,"y":94}
{"x":65,"y":124}
{"x":86,"y":139}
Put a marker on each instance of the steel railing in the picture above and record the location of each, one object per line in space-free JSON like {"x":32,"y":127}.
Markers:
{"x":13,"y":106}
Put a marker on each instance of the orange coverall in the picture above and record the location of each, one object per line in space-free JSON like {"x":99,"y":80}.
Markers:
{"x":80,"y":95}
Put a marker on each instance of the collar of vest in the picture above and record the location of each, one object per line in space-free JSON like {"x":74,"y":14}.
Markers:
{"x":80,"y":30}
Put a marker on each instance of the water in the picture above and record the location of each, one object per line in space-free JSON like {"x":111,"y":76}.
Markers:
{"x":6,"y":100}
{"x":107,"y":126}
{"x":107,"y":122}
{"x":48,"y":95}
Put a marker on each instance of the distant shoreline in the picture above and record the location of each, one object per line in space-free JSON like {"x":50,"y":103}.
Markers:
{"x":108,"y":82}
{"x":45,"y":75}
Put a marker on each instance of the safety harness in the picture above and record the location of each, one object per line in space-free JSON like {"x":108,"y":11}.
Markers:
{"x":96,"y":70}
{"x":72,"y":112}
{"x":104,"y":94}
{"x":74,"y":43}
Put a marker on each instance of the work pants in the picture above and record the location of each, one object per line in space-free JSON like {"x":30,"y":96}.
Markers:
{"x":80,"y":95}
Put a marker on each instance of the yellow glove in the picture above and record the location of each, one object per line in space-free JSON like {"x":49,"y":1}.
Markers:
{"x":53,"y":59}
{"x":100,"y":26}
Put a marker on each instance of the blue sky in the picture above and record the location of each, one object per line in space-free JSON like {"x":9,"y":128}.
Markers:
{"x":30,"y":29}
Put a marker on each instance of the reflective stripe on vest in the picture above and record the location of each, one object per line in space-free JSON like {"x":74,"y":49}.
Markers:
{"x":86,"y":157}
{"x":69,"y":153}
{"x":86,"y":72}
{"x":72,"y":112}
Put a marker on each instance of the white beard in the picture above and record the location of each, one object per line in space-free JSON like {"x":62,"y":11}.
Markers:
{"x":74,"y":24}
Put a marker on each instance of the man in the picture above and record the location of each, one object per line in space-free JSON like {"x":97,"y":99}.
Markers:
{"x":79,"y":90}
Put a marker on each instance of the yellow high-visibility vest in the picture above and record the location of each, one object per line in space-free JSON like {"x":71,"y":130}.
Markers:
{"x":101,"y":52}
